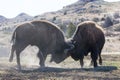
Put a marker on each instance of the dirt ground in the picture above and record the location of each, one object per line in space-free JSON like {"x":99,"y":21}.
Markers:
{"x":67,"y":70}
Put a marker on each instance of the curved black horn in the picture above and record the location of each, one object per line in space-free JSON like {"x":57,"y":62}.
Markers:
{"x":68,"y":49}
{"x":72,"y":46}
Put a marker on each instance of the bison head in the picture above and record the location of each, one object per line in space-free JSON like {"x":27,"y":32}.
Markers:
{"x":75,"y":52}
{"x":62,"y":54}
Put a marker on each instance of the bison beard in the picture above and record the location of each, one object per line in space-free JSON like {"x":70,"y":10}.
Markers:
{"x":43,"y":34}
{"x":88,"y":37}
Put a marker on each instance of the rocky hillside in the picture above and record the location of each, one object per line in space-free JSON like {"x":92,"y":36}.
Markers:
{"x":104,"y":13}
{"x":99,"y":11}
{"x":9,"y":24}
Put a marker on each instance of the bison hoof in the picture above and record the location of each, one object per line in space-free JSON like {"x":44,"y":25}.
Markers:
{"x":42,"y":66}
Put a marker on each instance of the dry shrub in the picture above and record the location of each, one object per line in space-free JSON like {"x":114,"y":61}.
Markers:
{"x":108,"y":21}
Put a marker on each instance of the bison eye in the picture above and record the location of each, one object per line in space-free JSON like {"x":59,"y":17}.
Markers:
{"x":74,"y":42}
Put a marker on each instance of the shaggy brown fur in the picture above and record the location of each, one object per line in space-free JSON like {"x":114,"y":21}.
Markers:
{"x":43,"y":34}
{"x":88,"y":37}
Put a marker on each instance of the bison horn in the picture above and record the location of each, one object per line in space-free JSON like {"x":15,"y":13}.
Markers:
{"x":71,"y":47}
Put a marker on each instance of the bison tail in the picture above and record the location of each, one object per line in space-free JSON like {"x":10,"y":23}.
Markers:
{"x":13,"y":38}
{"x":12,"y":54}
{"x":13,"y":47}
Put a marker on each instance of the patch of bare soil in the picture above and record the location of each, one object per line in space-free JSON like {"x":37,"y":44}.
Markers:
{"x":67,"y":70}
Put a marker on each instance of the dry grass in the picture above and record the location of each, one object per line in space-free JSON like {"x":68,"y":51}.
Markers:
{"x":69,"y":69}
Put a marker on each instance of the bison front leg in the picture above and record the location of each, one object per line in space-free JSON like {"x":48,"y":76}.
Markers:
{"x":42,"y":57}
{"x":81,"y":61}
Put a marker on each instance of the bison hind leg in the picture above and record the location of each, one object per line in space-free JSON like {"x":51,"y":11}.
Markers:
{"x":100,"y":61}
{"x":94,"y":57}
{"x":100,"y":58}
{"x":19,"y":49}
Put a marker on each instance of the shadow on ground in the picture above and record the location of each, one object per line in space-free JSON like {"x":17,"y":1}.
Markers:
{"x":54,"y":73}
{"x":54,"y":69}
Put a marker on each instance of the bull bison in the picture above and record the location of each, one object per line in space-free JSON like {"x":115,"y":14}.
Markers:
{"x":43,"y":34}
{"x":88,"y":37}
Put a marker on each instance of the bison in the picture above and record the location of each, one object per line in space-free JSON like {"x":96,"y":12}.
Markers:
{"x":88,"y":37}
{"x":43,"y":34}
